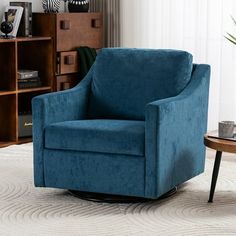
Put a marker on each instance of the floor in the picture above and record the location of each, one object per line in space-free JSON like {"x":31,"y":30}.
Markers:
{"x":26,"y":210}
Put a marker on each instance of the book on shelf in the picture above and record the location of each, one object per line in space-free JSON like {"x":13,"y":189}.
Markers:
{"x":14,"y":14}
{"x":25,"y":28}
{"x":26,"y":74}
{"x":32,"y":82}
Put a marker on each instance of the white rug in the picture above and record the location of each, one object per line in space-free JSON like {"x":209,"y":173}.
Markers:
{"x":26,"y":210}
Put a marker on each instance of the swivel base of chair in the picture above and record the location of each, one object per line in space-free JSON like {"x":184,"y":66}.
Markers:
{"x":109,"y":198}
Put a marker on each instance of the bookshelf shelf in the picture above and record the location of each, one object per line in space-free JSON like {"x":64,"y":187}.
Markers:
{"x":33,"y":53}
{"x":47,"y":88}
{"x":24,"y":39}
{"x":2,"y":93}
{"x":33,"y":38}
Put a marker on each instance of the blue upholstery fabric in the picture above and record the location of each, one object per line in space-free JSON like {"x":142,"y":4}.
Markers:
{"x":95,"y":172}
{"x":75,"y":150}
{"x":174,"y":135}
{"x":106,"y":136}
{"x":124,"y":81}
{"x":56,"y":107}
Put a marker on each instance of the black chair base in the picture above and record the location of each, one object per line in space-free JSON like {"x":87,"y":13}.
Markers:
{"x":108,"y":198}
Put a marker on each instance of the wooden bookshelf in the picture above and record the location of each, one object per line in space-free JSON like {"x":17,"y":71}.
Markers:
{"x":33,"y":53}
{"x":69,"y":31}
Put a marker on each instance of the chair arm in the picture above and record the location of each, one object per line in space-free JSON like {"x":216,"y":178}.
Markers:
{"x":49,"y":108}
{"x":174,"y":135}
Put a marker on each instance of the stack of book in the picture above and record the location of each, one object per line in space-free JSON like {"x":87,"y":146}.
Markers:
{"x":28,"y":79}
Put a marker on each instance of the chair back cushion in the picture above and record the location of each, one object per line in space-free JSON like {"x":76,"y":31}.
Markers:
{"x":125,"y":80}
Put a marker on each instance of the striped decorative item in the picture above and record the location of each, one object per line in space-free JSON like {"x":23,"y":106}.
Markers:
{"x":79,"y":2}
{"x":51,"y":6}
{"x":78,"y":5}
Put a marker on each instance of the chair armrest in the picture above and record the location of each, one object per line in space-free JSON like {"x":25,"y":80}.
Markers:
{"x":49,"y":108}
{"x":60,"y":106}
{"x":174,"y":135}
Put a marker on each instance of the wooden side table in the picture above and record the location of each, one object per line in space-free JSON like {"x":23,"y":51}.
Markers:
{"x":220,"y":145}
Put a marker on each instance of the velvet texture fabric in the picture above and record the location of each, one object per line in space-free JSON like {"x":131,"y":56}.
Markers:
{"x":133,"y":126}
{"x":97,"y":136}
{"x":119,"y":90}
{"x":95,"y":172}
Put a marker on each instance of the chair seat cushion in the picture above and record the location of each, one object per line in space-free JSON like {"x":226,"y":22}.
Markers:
{"x":98,"y":135}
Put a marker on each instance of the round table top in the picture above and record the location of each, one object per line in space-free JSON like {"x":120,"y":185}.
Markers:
{"x":218,"y":144}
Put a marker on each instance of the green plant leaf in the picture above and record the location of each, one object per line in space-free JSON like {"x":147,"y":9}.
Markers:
{"x":231,"y":36}
{"x":233,"y":20}
{"x":231,"y":40}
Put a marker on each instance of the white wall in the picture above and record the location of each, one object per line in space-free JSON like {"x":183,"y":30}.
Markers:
{"x":197,"y":26}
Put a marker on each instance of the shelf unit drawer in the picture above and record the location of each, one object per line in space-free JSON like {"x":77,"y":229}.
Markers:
{"x":68,"y":62}
{"x":67,"y":81}
{"x":81,"y":29}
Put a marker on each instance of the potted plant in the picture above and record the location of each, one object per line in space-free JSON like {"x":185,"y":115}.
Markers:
{"x":231,"y":37}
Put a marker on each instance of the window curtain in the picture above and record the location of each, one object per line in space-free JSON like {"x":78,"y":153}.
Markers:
{"x":111,"y":20}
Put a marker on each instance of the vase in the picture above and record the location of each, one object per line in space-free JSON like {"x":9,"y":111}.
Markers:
{"x":51,"y":6}
{"x":78,"y":5}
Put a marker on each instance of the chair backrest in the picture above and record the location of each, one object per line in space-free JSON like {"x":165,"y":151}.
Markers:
{"x":125,"y":80}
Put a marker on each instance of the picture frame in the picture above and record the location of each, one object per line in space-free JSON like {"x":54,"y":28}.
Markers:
{"x":14,"y":14}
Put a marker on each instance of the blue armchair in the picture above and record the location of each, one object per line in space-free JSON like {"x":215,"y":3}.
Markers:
{"x":133,"y":126}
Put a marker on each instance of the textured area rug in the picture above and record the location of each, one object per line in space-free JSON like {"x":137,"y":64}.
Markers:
{"x":26,"y":210}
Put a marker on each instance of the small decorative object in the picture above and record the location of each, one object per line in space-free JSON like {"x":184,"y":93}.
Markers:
{"x":226,"y":129}
{"x":25,"y":27}
{"x":6,"y":26}
{"x":78,"y":5}
{"x":12,"y":16}
{"x":51,"y":6}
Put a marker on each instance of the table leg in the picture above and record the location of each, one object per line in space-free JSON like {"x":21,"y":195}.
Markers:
{"x":215,"y":175}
